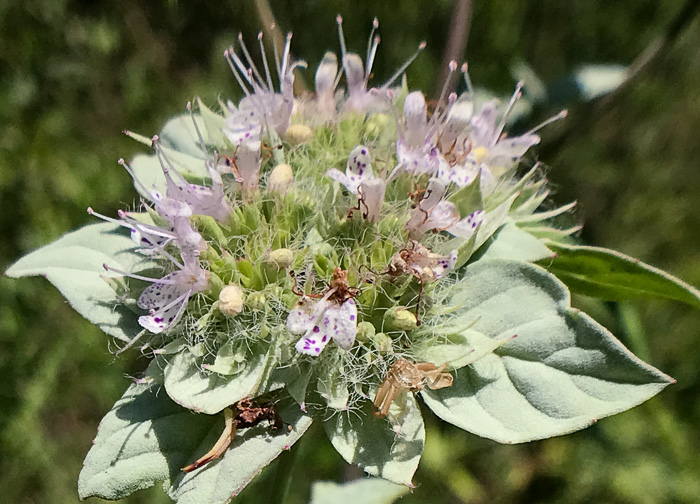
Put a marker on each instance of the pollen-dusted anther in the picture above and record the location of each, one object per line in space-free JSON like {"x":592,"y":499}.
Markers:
{"x":231,"y":300}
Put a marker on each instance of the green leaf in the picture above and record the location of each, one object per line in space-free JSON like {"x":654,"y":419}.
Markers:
{"x":560,"y":374}
{"x":73,"y":264}
{"x":610,"y":275}
{"x":252,"y":449}
{"x":214,"y":124}
{"x":372,"y":444}
{"x":208,"y":392}
{"x":366,"y":491}
{"x":149,"y":173}
{"x":145,"y":438}
{"x":510,"y":242}
{"x":468,"y":198}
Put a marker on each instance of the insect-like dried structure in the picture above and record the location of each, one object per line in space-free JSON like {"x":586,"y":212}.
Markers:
{"x":422,"y":263}
{"x":406,"y":376}
{"x":250,"y":413}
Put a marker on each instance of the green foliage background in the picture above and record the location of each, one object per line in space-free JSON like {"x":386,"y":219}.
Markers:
{"x":73,"y":74}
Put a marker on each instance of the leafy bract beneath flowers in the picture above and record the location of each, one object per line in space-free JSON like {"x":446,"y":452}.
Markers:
{"x":376,"y":233}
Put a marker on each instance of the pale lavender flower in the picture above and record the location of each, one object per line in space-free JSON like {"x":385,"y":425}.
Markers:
{"x":360,"y":98}
{"x":262,"y":109}
{"x":435,"y":213}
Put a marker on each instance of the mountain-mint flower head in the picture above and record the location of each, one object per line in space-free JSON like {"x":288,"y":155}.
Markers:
{"x":302,"y":259}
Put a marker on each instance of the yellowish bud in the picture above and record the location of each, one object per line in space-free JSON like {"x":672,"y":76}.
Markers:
{"x":365,"y":331}
{"x":280,"y":258}
{"x":231,"y":300}
{"x":280,"y":178}
{"x":401,"y":319}
{"x":382,"y":342}
{"x":298,"y":134}
{"x":480,"y":153}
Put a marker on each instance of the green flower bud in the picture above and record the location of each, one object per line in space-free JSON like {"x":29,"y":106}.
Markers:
{"x":280,"y":258}
{"x":365,"y":331}
{"x":298,"y":134}
{"x":382,"y":342}
{"x":257,"y":301}
{"x":231,"y":300}
{"x":400,"y":319}
{"x":280,"y":178}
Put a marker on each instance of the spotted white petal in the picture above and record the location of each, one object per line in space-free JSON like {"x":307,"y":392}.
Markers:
{"x":166,"y":317}
{"x":302,"y":316}
{"x":466,"y":227}
{"x":162,"y":292}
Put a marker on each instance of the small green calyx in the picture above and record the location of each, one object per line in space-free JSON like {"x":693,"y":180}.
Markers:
{"x":400,"y":319}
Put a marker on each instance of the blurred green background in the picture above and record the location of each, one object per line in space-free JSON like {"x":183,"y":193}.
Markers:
{"x":73,"y":74}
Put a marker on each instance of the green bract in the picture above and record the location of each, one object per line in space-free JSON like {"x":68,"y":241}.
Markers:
{"x":290,"y":254}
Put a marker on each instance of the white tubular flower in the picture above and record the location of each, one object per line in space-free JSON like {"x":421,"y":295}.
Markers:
{"x":262,"y":109}
{"x":358,"y":169}
{"x":415,"y":148}
{"x":202,"y":200}
{"x":371,"y":193}
{"x":248,"y":165}
{"x":325,"y":82}
{"x":433,"y":212}
{"x":488,"y":144}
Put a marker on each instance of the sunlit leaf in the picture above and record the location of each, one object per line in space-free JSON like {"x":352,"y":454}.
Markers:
{"x":561,"y":373}
{"x":373,"y":445}
{"x":74,"y":265}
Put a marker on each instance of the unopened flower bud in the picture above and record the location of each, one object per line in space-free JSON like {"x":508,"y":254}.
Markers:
{"x":400,"y":319}
{"x":480,"y":153}
{"x":280,"y":178}
{"x":280,"y":258}
{"x":257,"y":301}
{"x":382,"y":342}
{"x":231,"y":300}
{"x":365,"y":331}
{"x":298,"y":134}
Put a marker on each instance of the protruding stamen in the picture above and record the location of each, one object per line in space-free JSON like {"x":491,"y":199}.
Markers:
{"x":285,"y":57}
{"x":264,"y":59}
{"x":560,"y":115}
{"x":403,"y":68}
{"x":516,"y":96}
{"x":143,"y":188}
{"x":371,"y":53}
{"x":202,"y":145}
{"x":228,"y":54}
{"x":341,"y":36}
{"x":372,"y":44}
{"x":251,"y":63}
{"x":467,"y":80}
{"x":107,"y":267}
{"x":452,"y":67}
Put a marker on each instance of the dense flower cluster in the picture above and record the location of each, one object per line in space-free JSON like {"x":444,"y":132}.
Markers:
{"x":331,"y":254}
{"x":247,"y":215}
